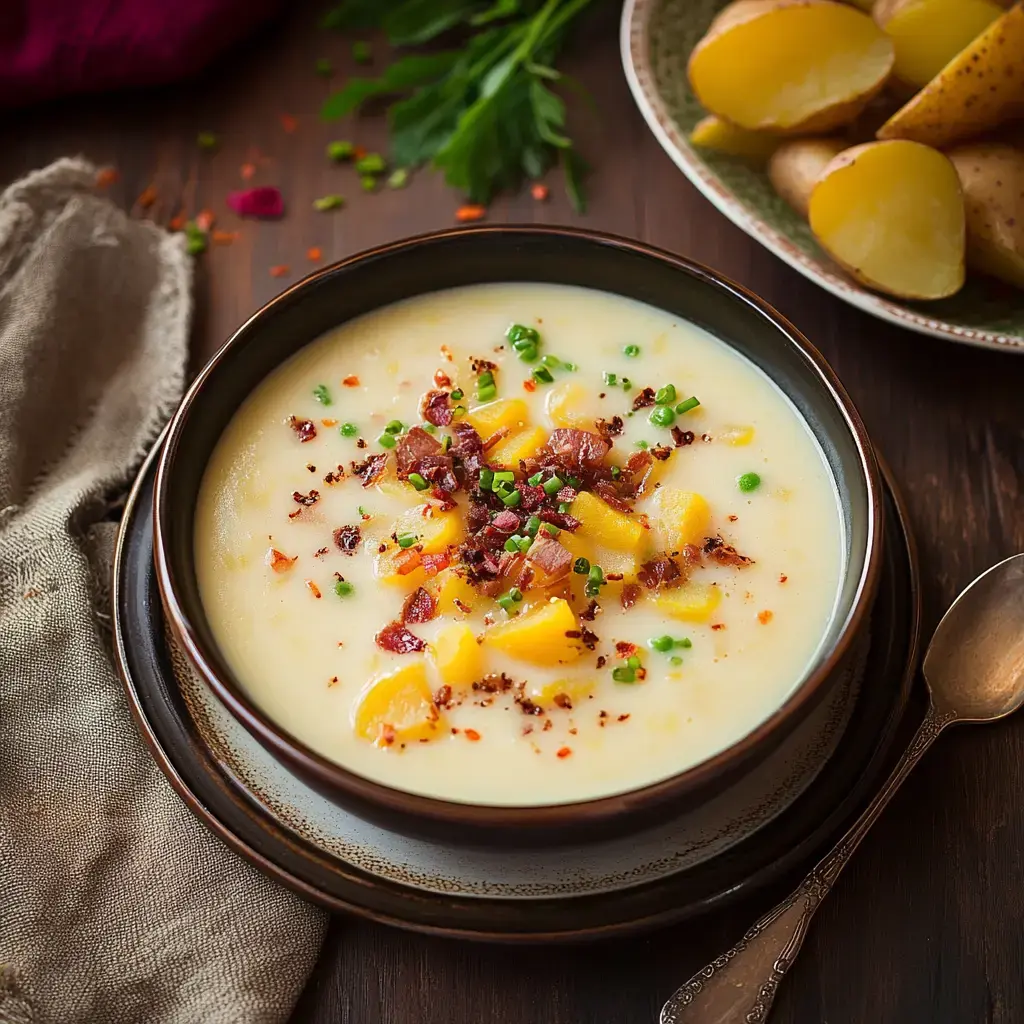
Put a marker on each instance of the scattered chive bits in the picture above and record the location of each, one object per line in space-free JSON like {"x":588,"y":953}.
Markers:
{"x":665,"y":395}
{"x":406,"y":540}
{"x":631,"y":351}
{"x":553,"y":485}
{"x":581,"y":566}
{"x":339,"y":150}
{"x":348,"y":430}
{"x":321,"y":394}
{"x":343,"y":588}
{"x":331,"y":202}
{"x":418,"y":481}
{"x":748,"y":482}
{"x":368,"y":183}
{"x":686,"y":405}
{"x":543,"y":375}
{"x":394,"y":427}
{"x":525,"y":342}
{"x":486,"y":389}
{"x":675,"y":660}
{"x":195,"y":239}
{"x":398,"y":178}
{"x":666,"y":643}
{"x":457,"y":395}
{"x":532,"y":526}
{"x":372,"y":163}
{"x":386,"y":440}
{"x":595,"y":581}
{"x":624,"y":674}
{"x":361,"y":52}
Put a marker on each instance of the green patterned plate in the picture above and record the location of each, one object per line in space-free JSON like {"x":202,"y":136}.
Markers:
{"x":657,"y":37}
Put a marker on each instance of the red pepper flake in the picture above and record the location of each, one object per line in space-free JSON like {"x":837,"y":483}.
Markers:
{"x":147,"y":198}
{"x":351,"y":381}
{"x":783,"y":577}
{"x":623,"y":718}
{"x":441,"y":379}
{"x":279,"y":271}
{"x":304,"y":428}
{"x":470,"y":212}
{"x":447,"y":353}
{"x":204,"y":220}
{"x":765,"y":617}
{"x":471,"y":734}
{"x":224,"y":237}
{"x":624,"y":649}
{"x":333,"y":681}
{"x":314,"y":254}
{"x":359,"y":152}
{"x":247,"y":171}
{"x":279,"y":562}
{"x":564,"y":752}
{"x":717,"y":625}
{"x":106,"y":176}
{"x":263,"y":203}
{"x":329,"y":422}
{"x":289,"y":123}
{"x":540,"y":192}
{"x":177,"y":223}
{"x":529,"y":385}
{"x":732,"y":519}
{"x":313,"y":589}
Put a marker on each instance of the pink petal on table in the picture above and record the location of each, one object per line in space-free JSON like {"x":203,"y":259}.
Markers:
{"x":263,"y":203}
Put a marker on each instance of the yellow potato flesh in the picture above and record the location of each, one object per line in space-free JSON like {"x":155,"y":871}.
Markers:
{"x":538,"y":636}
{"x":892,"y":213}
{"x":397,"y":707}
{"x":790,"y":67}
{"x":713,"y":133}
{"x":928,"y":34}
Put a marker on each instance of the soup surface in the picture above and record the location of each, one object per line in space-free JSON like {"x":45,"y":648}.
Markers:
{"x":518,"y":544}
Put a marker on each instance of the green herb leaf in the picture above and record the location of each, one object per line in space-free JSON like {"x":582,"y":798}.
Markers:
{"x":407,"y":73}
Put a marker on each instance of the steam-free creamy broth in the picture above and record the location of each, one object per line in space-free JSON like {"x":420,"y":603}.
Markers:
{"x":595,"y":584}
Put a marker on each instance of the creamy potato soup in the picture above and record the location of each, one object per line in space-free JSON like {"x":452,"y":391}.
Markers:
{"x":518,"y":544}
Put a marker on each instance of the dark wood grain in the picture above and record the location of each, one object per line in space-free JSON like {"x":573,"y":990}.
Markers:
{"x":926,"y":925}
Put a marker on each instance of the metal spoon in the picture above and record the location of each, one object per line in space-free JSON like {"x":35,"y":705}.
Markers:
{"x":974,"y":669}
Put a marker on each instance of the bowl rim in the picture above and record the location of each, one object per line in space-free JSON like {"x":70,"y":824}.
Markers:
{"x":332,"y":777}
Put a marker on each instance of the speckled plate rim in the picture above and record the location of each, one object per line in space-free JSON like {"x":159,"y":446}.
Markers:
{"x":633,"y":34}
{"x":319,"y":877}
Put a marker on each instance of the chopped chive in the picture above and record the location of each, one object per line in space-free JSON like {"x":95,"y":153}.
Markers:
{"x":485,"y":378}
{"x":386,"y":441}
{"x":675,"y":660}
{"x":551,"y":528}
{"x":623,"y":674}
{"x":596,"y":574}
{"x":665,"y":395}
{"x":662,"y":416}
{"x":321,"y":394}
{"x":325,"y":203}
{"x":430,"y":428}
{"x":626,"y":384}
{"x":361,"y":509}
{"x":642,"y":444}
{"x":633,"y":661}
{"x":361,"y":52}
{"x":519,"y":332}
{"x":486,"y":393}
{"x":575,"y":482}
{"x":506,"y":602}
{"x":687,"y":405}
{"x":581,"y":567}
{"x":534,"y":481}
{"x":504,"y":474}
{"x":195,"y":239}
{"x":532,"y":526}
{"x":512,"y":499}
{"x":399,"y":178}
{"x":564,"y":506}
{"x":394,"y":427}
{"x":406,"y":540}
{"x":418,"y":482}
{"x":748,"y":482}
{"x":516,"y":594}
{"x":459,"y":411}
{"x":524,"y":544}
{"x":340,"y":150}
{"x":632,"y":351}
{"x":616,"y":472}
{"x":570,"y":367}
{"x":343,"y":588}
{"x":446,"y":442}
{"x":552,"y":361}
{"x":553,"y":486}
{"x":661,"y":643}
{"x":512,"y":545}
{"x":686,"y":642}
{"x":457,"y":395}
{"x":592,"y":590}
{"x":368,"y":182}
{"x":323,"y":67}
{"x":486,"y":479}
{"x":528,"y":354}
{"x":372,"y":163}
{"x":611,"y":379}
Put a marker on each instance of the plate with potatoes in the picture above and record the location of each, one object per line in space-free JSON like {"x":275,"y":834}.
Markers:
{"x":877,"y":146}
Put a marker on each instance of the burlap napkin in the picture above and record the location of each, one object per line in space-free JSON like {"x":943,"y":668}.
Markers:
{"x":115,"y":904}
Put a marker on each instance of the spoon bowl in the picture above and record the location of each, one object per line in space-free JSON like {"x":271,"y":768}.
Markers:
{"x":975,"y":663}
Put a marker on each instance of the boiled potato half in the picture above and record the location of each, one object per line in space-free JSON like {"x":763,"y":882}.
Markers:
{"x":992,"y":177}
{"x":928,"y":34}
{"x":797,"y":164}
{"x":715,"y":134}
{"x":982,"y":87}
{"x":892,"y":214}
{"x":790,"y":66}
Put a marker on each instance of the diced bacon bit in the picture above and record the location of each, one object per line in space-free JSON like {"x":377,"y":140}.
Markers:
{"x":499,"y":435}
{"x":724,"y":554}
{"x":408,"y":560}
{"x":346,"y":538}
{"x":304,"y":428}
{"x":387,"y":734}
{"x":447,"y":353}
{"x":394,"y":637}
{"x":564,"y":752}
{"x":717,"y":625}
{"x":435,"y":408}
{"x":247,"y":171}
{"x":441,"y":379}
{"x":371,"y":469}
{"x":529,"y":385}
{"x":783,"y":577}
{"x":630,"y":593}
{"x":681,"y":438}
{"x":329,"y":422}
{"x":333,"y":681}
{"x":335,"y":476}
{"x":540,"y":192}
{"x":548,"y":724}
{"x":443,"y":696}
{"x":320,"y":553}
{"x":471,"y":734}
{"x":280,"y":270}
{"x":732,"y":519}
{"x":644,"y":399}
{"x":765,"y":617}
{"x":224,"y":237}
{"x":306,"y":499}
{"x":106,"y":176}
{"x":433,"y":564}
{"x":314,"y":254}
{"x":660,"y":452}
{"x":563,"y":701}
{"x":420,"y":606}
{"x":295,"y":514}
{"x":706,"y":438}
{"x":351,"y":381}
{"x":177,"y":222}
{"x":279,"y":562}
{"x":204,"y":220}
{"x":289,"y":123}
{"x":601,"y":661}
{"x":147,"y":197}
{"x":624,"y":649}
{"x":623,"y":718}
{"x":313,"y":588}
{"x":470,"y":212}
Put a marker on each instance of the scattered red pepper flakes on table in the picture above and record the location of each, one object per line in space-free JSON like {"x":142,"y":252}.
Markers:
{"x":279,"y":271}
{"x":289,"y":123}
{"x":325,"y":203}
{"x":224,"y":237}
{"x":765,"y":616}
{"x":247,"y":171}
{"x":358,"y":152}
{"x":263,"y":203}
{"x":314,"y":254}
{"x":147,"y":197}
{"x":106,"y":176}
{"x":470,"y":212}
{"x":204,"y":220}
{"x":564,"y":752}
{"x":176,"y":223}
{"x":540,"y":192}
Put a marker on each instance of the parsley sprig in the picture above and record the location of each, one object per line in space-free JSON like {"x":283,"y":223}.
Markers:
{"x":484,"y":114}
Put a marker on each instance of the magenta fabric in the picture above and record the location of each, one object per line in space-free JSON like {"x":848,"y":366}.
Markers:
{"x":52,"y":48}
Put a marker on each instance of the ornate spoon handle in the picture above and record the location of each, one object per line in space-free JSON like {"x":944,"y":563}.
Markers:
{"x":739,"y":986}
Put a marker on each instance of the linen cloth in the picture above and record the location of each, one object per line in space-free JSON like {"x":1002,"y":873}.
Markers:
{"x":115,"y":904}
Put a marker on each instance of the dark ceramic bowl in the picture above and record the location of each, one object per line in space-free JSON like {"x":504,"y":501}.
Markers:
{"x":555,"y":255}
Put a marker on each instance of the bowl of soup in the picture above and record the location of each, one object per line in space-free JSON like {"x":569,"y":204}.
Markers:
{"x":518,"y":534}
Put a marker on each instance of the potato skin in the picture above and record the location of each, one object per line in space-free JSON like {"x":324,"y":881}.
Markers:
{"x":796,"y":165}
{"x":978,"y":90}
{"x":992,"y":177}
{"x":826,"y":120}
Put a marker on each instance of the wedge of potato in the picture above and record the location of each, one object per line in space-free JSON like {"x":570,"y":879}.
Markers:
{"x":992,"y":177}
{"x":979,"y":89}
{"x":892,"y":214}
{"x":797,"y":164}
{"x":713,"y":133}
{"x":790,"y":66}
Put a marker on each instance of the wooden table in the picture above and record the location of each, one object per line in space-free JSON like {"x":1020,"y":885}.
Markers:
{"x":927,"y":923}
